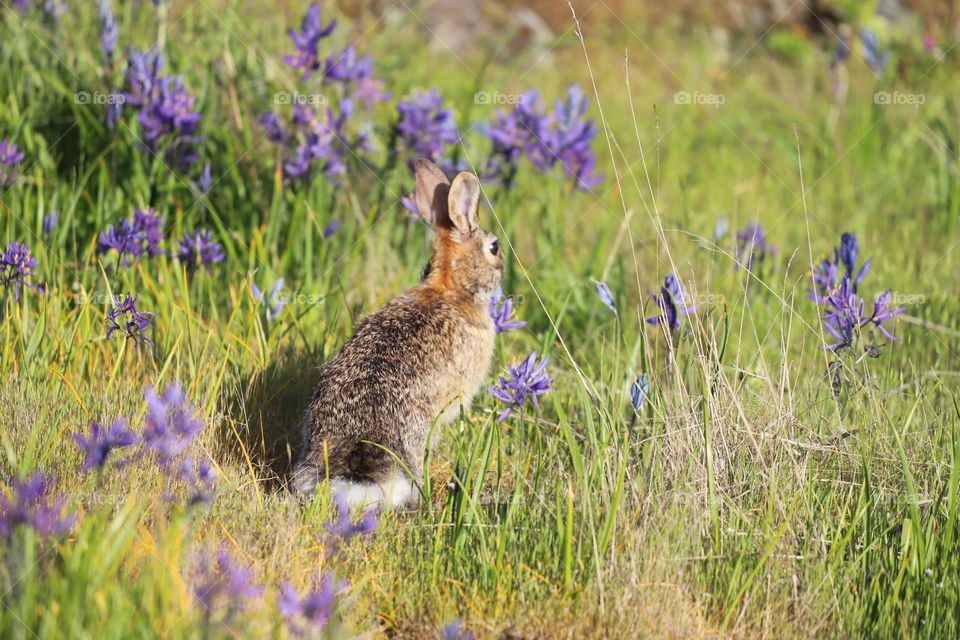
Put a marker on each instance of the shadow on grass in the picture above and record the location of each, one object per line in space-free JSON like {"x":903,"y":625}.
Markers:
{"x":266,"y":414}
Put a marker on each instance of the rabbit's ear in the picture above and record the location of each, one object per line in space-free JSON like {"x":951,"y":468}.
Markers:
{"x":464,"y":203}
{"x":431,"y":193}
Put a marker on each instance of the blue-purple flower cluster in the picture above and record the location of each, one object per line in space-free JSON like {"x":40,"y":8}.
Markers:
{"x":672,"y":303}
{"x":10,"y":159}
{"x":752,"y":247}
{"x":124,"y":319}
{"x":520,"y":381}
{"x":845,"y":316}
{"x":169,"y":429}
{"x":17,"y":266}
{"x":563,"y":136}
{"x":142,"y":235}
{"x":320,"y":139}
{"x":30,"y":506}
{"x":166,"y":115}
{"x":502,"y":312}
{"x":223,"y":586}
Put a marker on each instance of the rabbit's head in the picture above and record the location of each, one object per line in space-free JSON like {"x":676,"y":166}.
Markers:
{"x":467,"y":261}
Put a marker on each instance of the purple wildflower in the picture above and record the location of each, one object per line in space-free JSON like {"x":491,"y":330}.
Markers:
{"x":875,"y":57}
{"x":565,"y":137}
{"x":140,"y":235}
{"x":343,"y":529}
{"x":410,"y":204}
{"x":523,"y":380}
{"x":22,"y":5}
{"x":639,"y":391}
{"x":199,"y":479}
{"x":222,"y":583}
{"x":454,"y":630}
{"x":332,"y":227}
{"x":273,"y":127}
{"x":312,"y":31}
{"x":50,"y":223}
{"x":29,"y":506}
{"x":102,"y":441}
{"x":199,"y":248}
{"x":114,"y":109}
{"x":606,"y":296}
{"x":502,"y":313}
{"x":325,"y":141}
{"x":513,"y":134}
{"x":425,"y":128}
{"x":845,"y":314}
{"x":720,"y":229}
{"x":752,"y":247}
{"x":312,"y":612}
{"x":17,"y":265}
{"x":206,"y":180}
{"x":672,"y":304}
{"x":10,"y":157}
{"x":274,"y":302}
{"x":124,"y":319}
{"x":171,"y":424}
{"x":826,"y":275}
{"x":166,"y":115}
{"x":108,"y":33}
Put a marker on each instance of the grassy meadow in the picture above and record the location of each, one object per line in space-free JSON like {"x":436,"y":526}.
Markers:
{"x":766,"y":485}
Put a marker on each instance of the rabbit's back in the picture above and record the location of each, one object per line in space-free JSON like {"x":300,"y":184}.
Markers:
{"x":404,"y":366}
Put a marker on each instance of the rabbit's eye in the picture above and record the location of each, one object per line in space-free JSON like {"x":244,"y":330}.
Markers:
{"x":495,"y":247}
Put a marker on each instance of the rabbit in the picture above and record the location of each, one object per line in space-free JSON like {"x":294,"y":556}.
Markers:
{"x":410,"y":365}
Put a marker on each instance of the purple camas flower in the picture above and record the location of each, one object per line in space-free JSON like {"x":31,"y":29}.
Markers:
{"x":17,"y":265}
{"x":875,"y":57}
{"x":343,"y":528}
{"x":108,"y":33}
{"x":199,"y":479}
{"x":166,"y":114}
{"x":273,"y":127}
{"x":206,"y":180}
{"x":565,"y":137}
{"x":171,"y":424}
{"x":454,"y":630}
{"x":306,"y":41}
{"x":273,"y":302}
{"x":322,"y":139}
{"x":672,"y":302}
{"x":845,"y":315}
{"x":826,"y":275}
{"x":501,"y":310}
{"x":199,"y":249}
{"x":310,"y":614}
{"x":50,"y":223}
{"x":124,"y":319}
{"x":639,"y":391}
{"x":140,"y":235}
{"x":10,"y":158}
{"x":332,"y":227}
{"x":512,"y":135}
{"x":527,"y":379}
{"x":426,"y":128}
{"x":606,"y":296}
{"x":562,"y":136}
{"x":31,"y":507}
{"x":97,"y":446}
{"x":752,"y":247}
{"x":222,"y":584}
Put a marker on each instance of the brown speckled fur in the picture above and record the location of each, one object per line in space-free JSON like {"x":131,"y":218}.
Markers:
{"x":415,"y":361}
